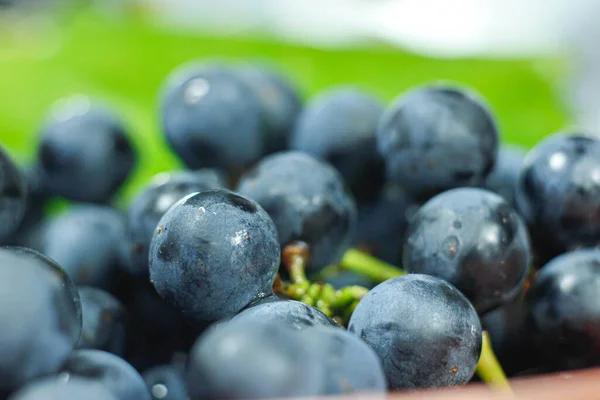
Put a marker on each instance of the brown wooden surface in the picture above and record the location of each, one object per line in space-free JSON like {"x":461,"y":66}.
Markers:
{"x":580,"y":385}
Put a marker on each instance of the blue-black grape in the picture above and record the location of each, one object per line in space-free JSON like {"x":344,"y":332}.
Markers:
{"x":35,"y":210}
{"x":307,"y":200}
{"x":351,"y":366}
{"x":85,"y":153}
{"x":70,"y":287}
{"x":157,"y":330}
{"x":511,"y":339}
{"x":211,"y":117}
{"x":150,"y":314}
{"x":40,"y":317}
{"x":504,"y":178}
{"x":564,"y":310}
{"x":104,"y":321}
{"x":473,"y":239}
{"x":559,"y":194}
{"x":424,"y":330}
{"x":166,"y":382}
{"x":339,"y":126}
{"x":87,"y":241}
{"x":13,"y":196}
{"x":280,"y":102}
{"x":150,"y":205}
{"x":109,"y":370}
{"x":213,"y":254}
{"x":436,"y":138}
{"x":251,"y":360}
{"x":290,"y":313}
{"x":382,"y":225}
{"x":56,"y":389}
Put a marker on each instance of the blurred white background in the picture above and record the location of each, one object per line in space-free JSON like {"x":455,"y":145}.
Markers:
{"x":446,"y":28}
{"x":437,"y":28}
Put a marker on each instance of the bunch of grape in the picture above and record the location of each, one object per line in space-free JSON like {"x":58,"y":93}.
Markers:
{"x":336,"y":247}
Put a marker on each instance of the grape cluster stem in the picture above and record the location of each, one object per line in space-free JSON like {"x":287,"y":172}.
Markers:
{"x":335,"y":303}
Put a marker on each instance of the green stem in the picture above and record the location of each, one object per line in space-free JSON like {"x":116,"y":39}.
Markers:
{"x":326,"y":297}
{"x":348,"y":295}
{"x":297,"y":268}
{"x":312,"y":294}
{"x":369,"y":266}
{"x":489,"y":369}
{"x":320,"y":295}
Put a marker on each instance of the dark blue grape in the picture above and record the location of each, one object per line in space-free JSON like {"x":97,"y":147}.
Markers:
{"x":214,"y":253}
{"x":104,"y":321}
{"x":351,"y":366}
{"x":307,"y":201}
{"x":437,"y":138}
{"x":279,"y":100}
{"x":13,"y":196}
{"x":382,"y":225}
{"x":35,"y":211}
{"x":157,"y":331}
{"x":107,"y":369}
{"x":339,"y":126}
{"x":559,"y":193}
{"x":166,"y":382}
{"x":425,"y":332}
{"x":150,"y":205}
{"x":251,"y":360}
{"x":57,"y":389}
{"x":85,"y":153}
{"x":564,"y":315}
{"x":87,"y":241}
{"x":511,"y":339}
{"x":289,"y":313}
{"x":70,"y":287}
{"x":151,"y":315}
{"x":473,"y":239}
{"x":211,"y":118}
{"x":40,"y":317}
{"x":504,"y":178}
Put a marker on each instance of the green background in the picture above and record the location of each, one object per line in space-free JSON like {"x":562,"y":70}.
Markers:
{"x":125,"y":61}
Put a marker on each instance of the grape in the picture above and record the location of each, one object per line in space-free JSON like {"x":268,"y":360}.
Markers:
{"x":339,"y":127}
{"x":213,"y":254}
{"x":564,"y":315}
{"x":211,"y":117}
{"x":85,"y":153}
{"x":307,"y":201}
{"x":40,"y":314}
{"x":104,"y":321}
{"x":559,"y":194}
{"x":87,"y":241}
{"x":351,"y":366}
{"x":55,"y":389}
{"x":252,"y":360}
{"x":279,"y":100}
{"x":435,"y":138}
{"x":109,"y":370}
{"x":473,"y":239}
{"x":504,"y":178}
{"x":154,"y":201}
{"x":425,"y":332}
{"x":290,"y":313}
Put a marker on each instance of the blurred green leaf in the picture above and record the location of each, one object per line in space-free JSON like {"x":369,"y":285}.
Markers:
{"x":124,"y":62}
